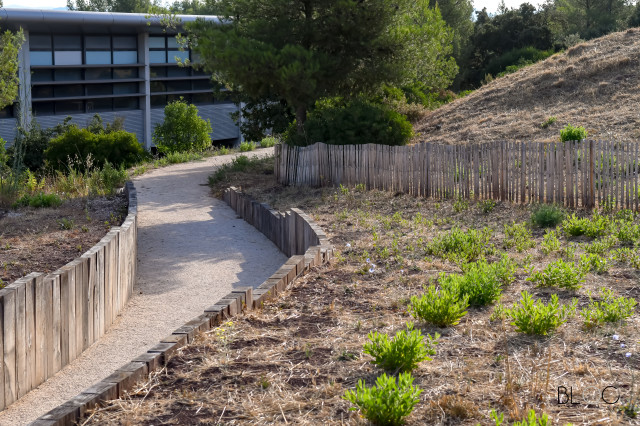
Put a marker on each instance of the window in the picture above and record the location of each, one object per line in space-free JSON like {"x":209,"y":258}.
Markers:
{"x":42,"y":108}
{"x":41,"y":75}
{"x":99,"y":89}
{"x":158,"y":72}
{"x":97,"y":73}
{"x":178,"y":86}
{"x":41,"y":58}
{"x":158,"y":100}
{"x":97,"y":42}
{"x":100,"y":105}
{"x":202,"y":98}
{"x":67,"y":42}
{"x":178,"y":72}
{"x":125,"y":43}
{"x":42,"y":91}
{"x":120,"y":104}
{"x":173,"y":54}
{"x":68,"y":74}
{"x":40,"y":42}
{"x":98,"y":57}
{"x":122,"y":88}
{"x":122,"y":73}
{"x":157,"y":57}
{"x":125,"y":57}
{"x":69,"y":107}
{"x":68,"y":91}
{"x":67,"y":57}
{"x":156,"y":42}
{"x":201,"y":85}
{"x":158,"y":86}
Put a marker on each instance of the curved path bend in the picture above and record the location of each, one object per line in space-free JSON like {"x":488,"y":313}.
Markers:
{"x":192,"y":250}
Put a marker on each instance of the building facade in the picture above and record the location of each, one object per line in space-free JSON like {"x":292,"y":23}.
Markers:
{"x":115,"y":64}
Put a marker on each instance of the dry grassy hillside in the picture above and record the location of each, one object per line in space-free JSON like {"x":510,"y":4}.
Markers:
{"x":594,"y":84}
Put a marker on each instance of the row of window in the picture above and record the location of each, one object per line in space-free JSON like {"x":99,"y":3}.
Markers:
{"x":47,"y":49}
{"x":179,"y":85}
{"x":76,"y":90}
{"x":83,"y":106}
{"x":71,"y":74}
{"x":160,"y":101}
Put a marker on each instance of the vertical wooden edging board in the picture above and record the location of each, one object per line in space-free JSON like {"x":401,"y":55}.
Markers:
{"x":67,"y":309}
{"x":8,"y":304}
{"x":55,"y":359}
{"x":44,"y":317}
{"x":23,"y":381}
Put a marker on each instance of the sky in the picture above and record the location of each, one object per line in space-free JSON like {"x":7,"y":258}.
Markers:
{"x":491,"y":5}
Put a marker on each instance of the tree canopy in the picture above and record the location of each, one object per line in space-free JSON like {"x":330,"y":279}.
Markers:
{"x":305,"y":50}
{"x":10,"y":44}
{"x":125,"y":6}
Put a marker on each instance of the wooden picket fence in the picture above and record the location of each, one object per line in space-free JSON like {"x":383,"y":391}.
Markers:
{"x":573,"y":174}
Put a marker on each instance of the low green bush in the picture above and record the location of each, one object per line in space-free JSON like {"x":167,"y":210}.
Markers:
{"x":594,"y":262}
{"x":517,"y":235}
{"x":537,"y":318}
{"x":487,"y":206}
{"x":39,"y":200}
{"x":268,"y":142}
{"x":442,"y":308}
{"x":402,"y":353}
{"x":547,"y":215}
{"x":387,"y":402}
{"x":559,"y":274}
{"x":595,"y":226}
{"x":107,"y":180}
{"x":550,"y":242}
{"x":570,"y":133}
{"x":119,"y":147}
{"x":247,"y":146}
{"x":628,"y":233}
{"x":182,"y":129}
{"x":462,"y":246}
{"x":356,"y":122}
{"x":609,"y":309}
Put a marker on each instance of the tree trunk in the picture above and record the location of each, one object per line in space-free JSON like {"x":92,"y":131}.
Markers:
{"x":301,"y":117}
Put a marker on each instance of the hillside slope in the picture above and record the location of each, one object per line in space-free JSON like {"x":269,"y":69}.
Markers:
{"x":594,"y":84}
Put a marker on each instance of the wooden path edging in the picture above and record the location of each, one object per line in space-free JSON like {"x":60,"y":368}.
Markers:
{"x":47,"y":321}
{"x":293,"y":232}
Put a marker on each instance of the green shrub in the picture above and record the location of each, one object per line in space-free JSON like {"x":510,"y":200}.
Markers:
{"x":387,"y":402}
{"x":463,"y":246}
{"x":442,"y":307}
{"x":627,"y":256}
{"x":460,"y":205}
{"x":247,"y":146}
{"x":517,"y":235}
{"x":182,"y":129}
{"x":107,"y":180}
{"x":39,"y":200}
{"x":515,"y":59}
{"x":403,"y":352}
{"x":242,"y":163}
{"x":537,"y":318}
{"x":30,"y":145}
{"x":602,"y":245}
{"x":627,"y":233}
{"x":570,"y":133}
{"x":548,"y":122}
{"x":482,"y":282}
{"x":119,"y":147}
{"x":610,"y":309}
{"x":550,"y":242}
{"x":594,"y":262}
{"x":596,"y":226}
{"x":268,"y":142}
{"x":559,"y":274}
{"x":487,"y":206}
{"x":357,"y":122}
{"x":547,"y":215}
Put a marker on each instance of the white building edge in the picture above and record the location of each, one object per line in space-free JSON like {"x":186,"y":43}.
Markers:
{"x":115,"y":64}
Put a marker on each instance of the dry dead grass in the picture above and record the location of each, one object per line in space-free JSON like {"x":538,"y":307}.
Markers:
{"x":291,"y":362}
{"x":594,"y":84}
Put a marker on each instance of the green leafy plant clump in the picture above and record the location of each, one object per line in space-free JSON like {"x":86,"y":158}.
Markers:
{"x":403,"y":352}
{"x":595,"y":226}
{"x":547,"y":215}
{"x":268,"y":142}
{"x":608,"y":309}
{"x":559,"y":274}
{"x":356,"y":122}
{"x":39,"y":200}
{"x":182,"y":129}
{"x":247,"y":146}
{"x":118,"y":147}
{"x":459,"y":245}
{"x":571,"y":133}
{"x":442,"y":308}
{"x":537,"y":318}
{"x":388,"y":402}
{"x":517,"y":235}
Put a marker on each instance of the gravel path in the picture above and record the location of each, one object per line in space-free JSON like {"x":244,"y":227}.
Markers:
{"x":192,"y":250}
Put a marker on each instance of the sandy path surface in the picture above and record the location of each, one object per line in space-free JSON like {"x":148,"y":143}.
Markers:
{"x":192,"y":250}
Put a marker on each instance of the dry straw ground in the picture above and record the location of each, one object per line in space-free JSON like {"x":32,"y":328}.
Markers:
{"x":291,"y":362}
{"x":594,"y":84}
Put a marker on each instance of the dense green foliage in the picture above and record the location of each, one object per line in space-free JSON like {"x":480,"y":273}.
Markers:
{"x":325,"y":49}
{"x":10,"y":44}
{"x":182,"y":129}
{"x":402,"y":353}
{"x":537,"y":317}
{"x":441,"y":307}
{"x":571,"y":133}
{"x":118,"y":147}
{"x":126,"y":6}
{"x":608,"y":309}
{"x":547,"y":215}
{"x":356,"y":122}
{"x":387,"y":402}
